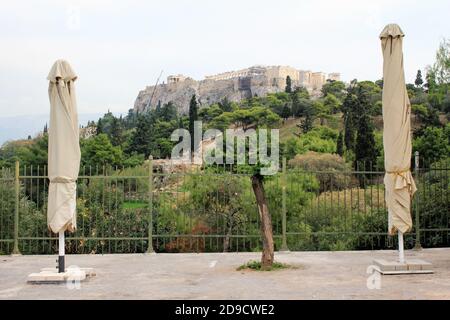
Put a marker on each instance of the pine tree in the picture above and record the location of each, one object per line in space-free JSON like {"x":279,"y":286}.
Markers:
{"x":340,"y":144}
{"x":140,"y":141}
{"x":288,"y":88}
{"x":419,"y":80}
{"x":193,"y":116}
{"x":130,"y":119}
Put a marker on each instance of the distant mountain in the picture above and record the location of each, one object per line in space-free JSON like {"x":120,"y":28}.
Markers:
{"x":20,"y":127}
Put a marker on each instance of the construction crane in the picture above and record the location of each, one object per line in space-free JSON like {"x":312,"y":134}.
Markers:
{"x":154,"y":90}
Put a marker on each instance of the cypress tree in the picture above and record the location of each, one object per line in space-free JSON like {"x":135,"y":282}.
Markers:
{"x":116,"y":135}
{"x":365,"y":150}
{"x":99,"y":127}
{"x":348,"y":108}
{"x":158,"y":108}
{"x":288,"y":88}
{"x":193,"y":116}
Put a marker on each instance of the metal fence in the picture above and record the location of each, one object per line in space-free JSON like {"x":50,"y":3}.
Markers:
{"x":143,"y":209}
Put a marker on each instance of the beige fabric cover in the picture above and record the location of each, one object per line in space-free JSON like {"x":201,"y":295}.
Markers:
{"x":63,"y":148}
{"x":398,"y":180}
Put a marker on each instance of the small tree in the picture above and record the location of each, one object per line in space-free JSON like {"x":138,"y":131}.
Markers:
{"x":267,"y":257}
{"x":286,"y":111}
{"x":267,"y":120}
{"x":309,"y":113}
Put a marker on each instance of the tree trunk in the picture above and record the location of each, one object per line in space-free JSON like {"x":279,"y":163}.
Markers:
{"x":226,"y":242}
{"x":266,"y":222}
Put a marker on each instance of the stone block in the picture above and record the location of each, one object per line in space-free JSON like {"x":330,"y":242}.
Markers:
{"x":46,"y":277}
{"x":418,"y":264}
{"x":385,"y":265}
{"x":409,"y":267}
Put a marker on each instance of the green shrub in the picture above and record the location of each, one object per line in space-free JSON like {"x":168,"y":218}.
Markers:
{"x":328,"y":168}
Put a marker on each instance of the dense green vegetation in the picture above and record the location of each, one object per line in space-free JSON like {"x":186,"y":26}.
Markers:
{"x":323,"y":138}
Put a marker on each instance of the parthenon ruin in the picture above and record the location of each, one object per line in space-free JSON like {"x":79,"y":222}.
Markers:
{"x":308,"y":79}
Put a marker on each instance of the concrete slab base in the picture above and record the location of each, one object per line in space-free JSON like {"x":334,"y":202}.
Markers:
{"x":334,"y":275}
{"x":51,"y":275}
{"x":411,"y":266}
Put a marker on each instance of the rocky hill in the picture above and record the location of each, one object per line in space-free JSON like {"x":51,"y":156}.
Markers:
{"x":233,"y":85}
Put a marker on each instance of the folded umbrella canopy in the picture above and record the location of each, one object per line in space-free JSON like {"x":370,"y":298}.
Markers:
{"x":398,"y":180}
{"x":63,"y":148}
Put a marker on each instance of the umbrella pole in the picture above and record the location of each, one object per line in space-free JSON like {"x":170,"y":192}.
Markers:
{"x":61,"y":264}
{"x":401,"y":253}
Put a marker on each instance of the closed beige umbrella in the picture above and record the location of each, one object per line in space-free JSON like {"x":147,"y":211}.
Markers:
{"x":63,"y":152}
{"x":398,"y":180}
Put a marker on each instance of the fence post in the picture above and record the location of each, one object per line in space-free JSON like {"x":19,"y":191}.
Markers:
{"x":417,"y":245}
{"x":16,"y":210}
{"x":150,"y":205}
{"x":284,"y":246}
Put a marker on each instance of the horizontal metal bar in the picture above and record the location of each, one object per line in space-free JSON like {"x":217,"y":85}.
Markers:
{"x":154,"y":236}
{"x":226,"y":173}
{"x":339,"y":232}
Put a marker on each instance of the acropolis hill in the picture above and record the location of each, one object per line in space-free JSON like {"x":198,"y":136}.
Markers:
{"x":233,"y":85}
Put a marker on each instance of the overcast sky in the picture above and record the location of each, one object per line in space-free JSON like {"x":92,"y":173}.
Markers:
{"x":119,"y":47}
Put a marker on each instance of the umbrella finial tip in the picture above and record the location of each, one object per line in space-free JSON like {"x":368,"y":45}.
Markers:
{"x":392,"y":30}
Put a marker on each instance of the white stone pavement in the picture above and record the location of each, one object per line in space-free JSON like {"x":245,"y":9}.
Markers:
{"x":320,"y":275}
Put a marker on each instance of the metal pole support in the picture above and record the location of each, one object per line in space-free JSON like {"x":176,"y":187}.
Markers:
{"x":150,"y":205}
{"x":417,"y":245}
{"x":16,"y":250}
{"x":284,"y":246}
{"x":61,"y":253}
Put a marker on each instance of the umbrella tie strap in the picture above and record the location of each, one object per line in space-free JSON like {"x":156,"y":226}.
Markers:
{"x":403,"y":179}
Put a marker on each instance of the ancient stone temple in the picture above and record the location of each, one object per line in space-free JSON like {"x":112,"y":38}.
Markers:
{"x":232,"y":85}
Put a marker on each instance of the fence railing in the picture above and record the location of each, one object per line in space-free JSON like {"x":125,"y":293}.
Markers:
{"x":154,"y":208}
